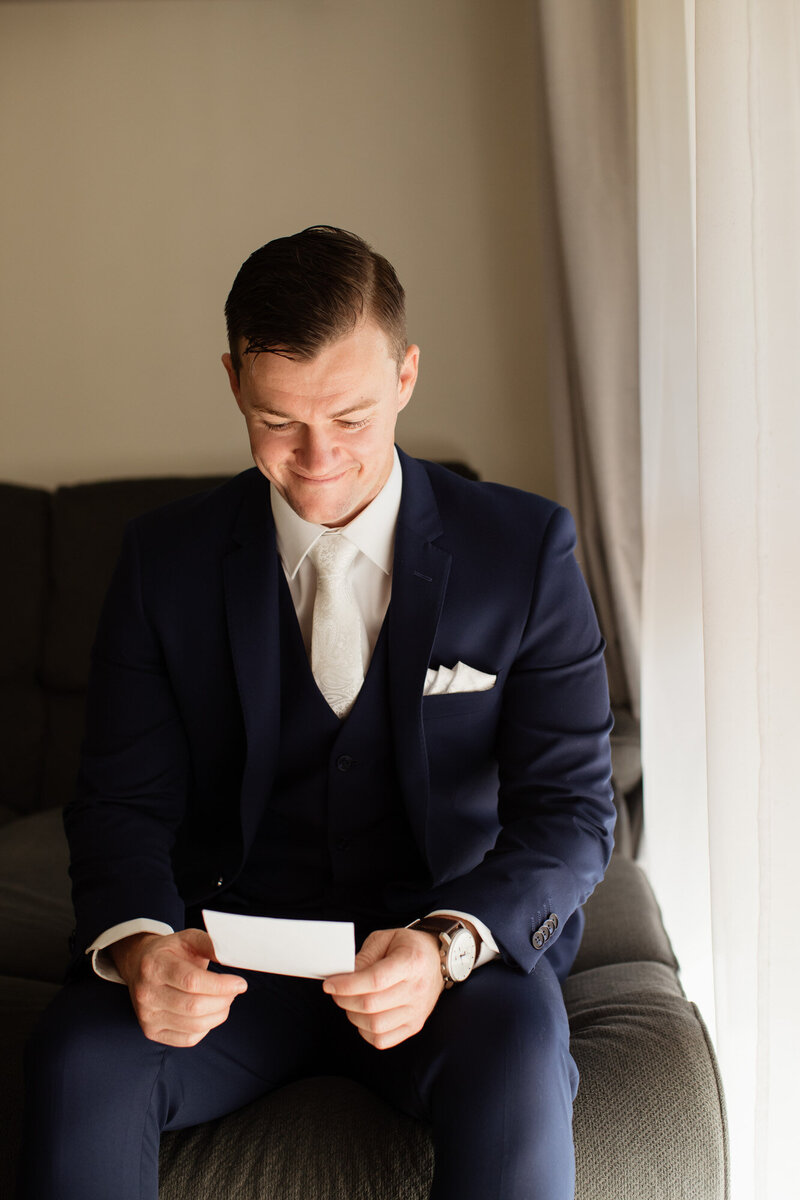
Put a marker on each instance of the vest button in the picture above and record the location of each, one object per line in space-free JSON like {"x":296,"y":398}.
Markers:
{"x":342,"y":843}
{"x":344,"y":762}
{"x":220,"y":881}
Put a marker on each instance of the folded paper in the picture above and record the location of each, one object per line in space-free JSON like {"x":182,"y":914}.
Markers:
{"x":312,"y":949}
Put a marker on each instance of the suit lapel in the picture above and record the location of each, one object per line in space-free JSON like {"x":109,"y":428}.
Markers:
{"x":419,"y":583}
{"x":251,"y":601}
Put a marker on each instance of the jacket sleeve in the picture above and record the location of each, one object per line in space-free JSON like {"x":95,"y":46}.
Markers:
{"x":555,"y":804}
{"x":132,"y":783}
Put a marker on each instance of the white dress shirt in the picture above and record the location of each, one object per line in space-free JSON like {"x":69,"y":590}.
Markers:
{"x":370,"y":578}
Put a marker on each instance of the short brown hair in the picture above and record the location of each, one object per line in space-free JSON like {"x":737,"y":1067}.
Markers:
{"x":298,"y":294}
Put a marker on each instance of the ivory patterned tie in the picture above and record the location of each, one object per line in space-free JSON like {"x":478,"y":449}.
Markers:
{"x":337,"y":624}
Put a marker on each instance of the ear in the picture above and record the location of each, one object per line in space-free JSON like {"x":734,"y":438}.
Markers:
{"x":233,"y":378}
{"x":407,"y":378}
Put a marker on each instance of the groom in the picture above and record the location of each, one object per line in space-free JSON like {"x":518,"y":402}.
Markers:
{"x":346,"y":685}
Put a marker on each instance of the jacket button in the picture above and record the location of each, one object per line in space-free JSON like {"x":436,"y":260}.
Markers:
{"x":537,"y":941}
{"x":554,"y":919}
{"x":342,"y":843}
{"x":344,"y":762}
{"x":550,"y":926}
{"x":220,"y":881}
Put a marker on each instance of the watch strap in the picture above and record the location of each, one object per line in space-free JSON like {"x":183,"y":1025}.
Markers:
{"x":444,"y":927}
{"x":445,"y":923}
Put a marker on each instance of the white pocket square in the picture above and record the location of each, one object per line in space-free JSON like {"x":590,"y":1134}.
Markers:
{"x":460,"y":678}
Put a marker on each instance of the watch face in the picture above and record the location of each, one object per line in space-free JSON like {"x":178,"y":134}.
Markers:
{"x":461,"y":955}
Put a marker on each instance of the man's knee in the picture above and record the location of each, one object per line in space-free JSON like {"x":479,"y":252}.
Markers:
{"x":504,"y":1008}
{"x":500,"y":1032}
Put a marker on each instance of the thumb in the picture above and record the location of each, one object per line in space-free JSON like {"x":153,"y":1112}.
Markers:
{"x":198,"y":942}
{"x":374,"y":948}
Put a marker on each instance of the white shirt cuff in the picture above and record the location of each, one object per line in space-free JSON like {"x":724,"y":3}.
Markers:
{"x":102,"y":962}
{"x":488,"y":951}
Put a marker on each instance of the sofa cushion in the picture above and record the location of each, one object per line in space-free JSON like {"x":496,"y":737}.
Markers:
{"x":317,"y":1137}
{"x":35,"y":898}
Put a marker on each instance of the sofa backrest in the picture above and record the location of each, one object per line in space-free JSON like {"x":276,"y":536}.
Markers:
{"x":24,"y":538}
{"x":58,"y":552}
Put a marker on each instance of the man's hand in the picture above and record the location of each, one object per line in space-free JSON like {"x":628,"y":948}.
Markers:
{"x":176,"y":998}
{"x":395,"y":985}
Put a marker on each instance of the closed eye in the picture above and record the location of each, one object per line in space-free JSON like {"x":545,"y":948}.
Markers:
{"x":349,"y":426}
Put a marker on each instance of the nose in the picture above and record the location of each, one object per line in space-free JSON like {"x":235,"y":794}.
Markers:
{"x":316,"y":453}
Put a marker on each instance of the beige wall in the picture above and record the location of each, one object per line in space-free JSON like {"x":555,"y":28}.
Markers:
{"x":147,"y":146}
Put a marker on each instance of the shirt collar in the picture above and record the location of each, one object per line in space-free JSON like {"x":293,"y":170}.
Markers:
{"x":372,"y":530}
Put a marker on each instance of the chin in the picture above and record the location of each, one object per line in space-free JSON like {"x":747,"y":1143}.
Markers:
{"x":319,"y":514}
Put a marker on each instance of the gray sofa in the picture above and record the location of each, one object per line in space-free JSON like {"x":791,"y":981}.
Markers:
{"x":649,"y":1118}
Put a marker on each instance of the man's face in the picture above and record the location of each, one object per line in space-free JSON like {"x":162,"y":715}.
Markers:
{"x":322,"y":430}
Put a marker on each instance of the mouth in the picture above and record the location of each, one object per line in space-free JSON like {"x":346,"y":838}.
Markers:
{"x":319,"y":479}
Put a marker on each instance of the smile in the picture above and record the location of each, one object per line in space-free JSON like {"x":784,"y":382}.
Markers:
{"x":320,"y":479}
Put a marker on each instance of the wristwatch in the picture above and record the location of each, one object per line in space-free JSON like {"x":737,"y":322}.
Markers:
{"x":458,"y":945}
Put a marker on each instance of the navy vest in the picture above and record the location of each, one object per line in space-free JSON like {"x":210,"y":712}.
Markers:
{"x":334,"y":836}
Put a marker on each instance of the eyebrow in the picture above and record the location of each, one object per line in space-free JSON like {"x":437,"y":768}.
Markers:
{"x":344,"y":412}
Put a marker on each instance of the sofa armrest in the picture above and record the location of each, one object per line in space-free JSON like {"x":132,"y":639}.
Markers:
{"x":649,"y":1118}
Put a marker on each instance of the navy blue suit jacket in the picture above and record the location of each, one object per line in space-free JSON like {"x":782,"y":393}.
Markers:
{"x":507,"y":791}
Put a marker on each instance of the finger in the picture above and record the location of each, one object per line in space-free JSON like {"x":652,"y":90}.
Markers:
{"x":373,"y":1002}
{"x":385,"y":973}
{"x":373,"y":950}
{"x":171,"y":1008}
{"x":375,"y":946}
{"x":384,"y":1022}
{"x":187,"y":1022}
{"x":199,"y":942}
{"x":173,"y":1034}
{"x":193,"y":992}
{"x":188,"y":1004}
{"x":385,"y":1041}
{"x":186,"y":977}
{"x":155,"y":1021}
{"x":154,"y":1024}
{"x":189,"y":948}
{"x":171,"y":1037}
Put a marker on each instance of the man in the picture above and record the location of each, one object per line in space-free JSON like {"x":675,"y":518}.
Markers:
{"x":345,"y":685}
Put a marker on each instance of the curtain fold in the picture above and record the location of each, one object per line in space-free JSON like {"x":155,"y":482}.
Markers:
{"x":719,"y":139}
{"x":587,"y":60}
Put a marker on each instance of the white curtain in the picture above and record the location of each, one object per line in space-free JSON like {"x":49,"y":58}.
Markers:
{"x":719,"y":237}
